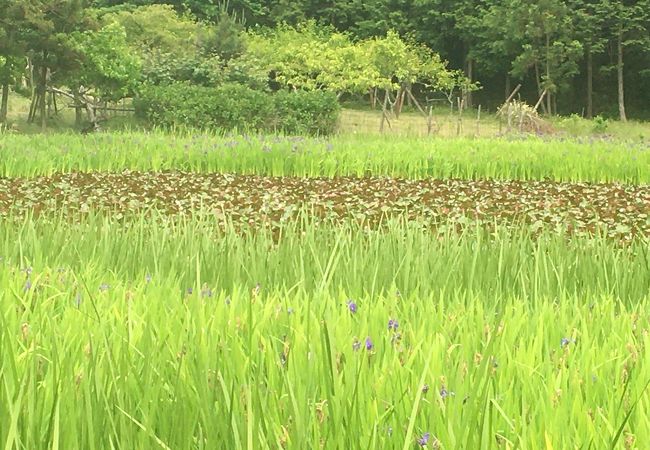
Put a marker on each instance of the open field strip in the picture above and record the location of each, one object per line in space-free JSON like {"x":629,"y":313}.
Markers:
{"x":624,"y":210}
{"x":183,"y":335}
{"x":588,"y":159}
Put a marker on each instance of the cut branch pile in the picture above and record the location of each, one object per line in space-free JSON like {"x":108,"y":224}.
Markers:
{"x":524,"y":118}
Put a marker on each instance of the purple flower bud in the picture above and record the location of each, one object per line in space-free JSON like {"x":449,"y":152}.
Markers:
{"x":444,"y":393}
{"x":566,"y":341}
{"x":393,"y":324}
{"x":356,"y":345}
{"x":352,"y":306}
{"x":369,"y":344}
{"x":424,"y":440}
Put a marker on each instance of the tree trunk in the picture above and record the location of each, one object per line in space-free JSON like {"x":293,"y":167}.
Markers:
{"x":399,"y":100}
{"x":78,"y":111}
{"x":539,"y":87}
{"x":42,"y":94}
{"x":4,"y":106}
{"x":590,"y":84}
{"x":619,"y":70}
{"x":470,"y":77}
{"x":549,"y":105}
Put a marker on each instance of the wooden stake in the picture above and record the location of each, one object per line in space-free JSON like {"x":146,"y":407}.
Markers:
{"x":513,"y":93}
{"x":539,"y":102}
{"x":459,"y":125}
{"x":478,"y":122}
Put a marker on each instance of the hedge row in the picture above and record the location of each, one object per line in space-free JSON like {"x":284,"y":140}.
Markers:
{"x":236,"y":106}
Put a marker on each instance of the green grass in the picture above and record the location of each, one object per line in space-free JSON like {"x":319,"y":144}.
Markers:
{"x":532,"y":158}
{"x":180,"y":333}
{"x":94,"y":354}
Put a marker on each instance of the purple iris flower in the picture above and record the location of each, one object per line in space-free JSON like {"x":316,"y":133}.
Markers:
{"x":352,"y":306}
{"x":566,"y":341}
{"x":424,"y":440}
{"x":369,"y":344}
{"x":444,"y":393}
{"x":393,"y":324}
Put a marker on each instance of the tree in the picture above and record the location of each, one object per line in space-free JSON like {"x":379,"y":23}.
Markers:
{"x":106,"y":66}
{"x":627,"y":24}
{"x":12,"y":47}
{"x":589,"y":23}
{"x":224,"y":39}
{"x":48,"y":24}
{"x":172,"y":47}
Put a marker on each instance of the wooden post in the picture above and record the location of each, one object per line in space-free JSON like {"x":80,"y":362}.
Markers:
{"x":384,"y":115}
{"x":478,"y":122}
{"x":513,"y":93}
{"x":459,"y":125}
{"x":430,"y":121}
{"x":539,"y":102}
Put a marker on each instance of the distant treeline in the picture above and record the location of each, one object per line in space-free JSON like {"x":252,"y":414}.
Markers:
{"x":586,"y":52}
{"x":585,"y":57}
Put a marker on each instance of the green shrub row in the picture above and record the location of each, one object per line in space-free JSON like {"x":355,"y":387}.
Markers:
{"x":233,"y":106}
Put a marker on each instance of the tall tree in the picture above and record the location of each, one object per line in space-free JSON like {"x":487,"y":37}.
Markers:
{"x":589,"y":22}
{"x":627,"y":22}
{"x":12,"y":47}
{"x":48,"y":24}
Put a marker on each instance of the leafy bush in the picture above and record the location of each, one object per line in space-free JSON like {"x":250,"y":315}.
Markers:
{"x":236,"y":106}
{"x":305,"y":112}
{"x":600,"y":124}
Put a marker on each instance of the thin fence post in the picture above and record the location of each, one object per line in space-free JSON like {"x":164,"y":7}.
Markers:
{"x":459,"y":126}
{"x":478,"y":122}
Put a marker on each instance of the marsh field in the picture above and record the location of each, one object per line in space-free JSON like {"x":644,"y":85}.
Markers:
{"x":202,"y":291}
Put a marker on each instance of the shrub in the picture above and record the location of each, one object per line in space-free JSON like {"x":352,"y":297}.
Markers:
{"x":600,"y":124}
{"x":236,"y":106}
{"x":304,"y":112}
{"x":228,"y":106}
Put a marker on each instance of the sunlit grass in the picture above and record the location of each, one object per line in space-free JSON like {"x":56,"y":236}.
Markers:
{"x":532,"y":158}
{"x":182,"y":333}
{"x":184,"y":336}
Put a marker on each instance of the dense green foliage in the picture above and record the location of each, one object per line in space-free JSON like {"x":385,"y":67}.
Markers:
{"x":587,"y":57}
{"x":569,"y":47}
{"x":233,"y":106}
